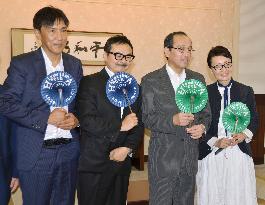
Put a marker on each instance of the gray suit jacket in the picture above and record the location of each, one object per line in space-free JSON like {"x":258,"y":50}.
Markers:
{"x":171,"y":148}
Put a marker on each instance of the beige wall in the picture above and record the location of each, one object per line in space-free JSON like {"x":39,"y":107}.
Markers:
{"x":145,"y":22}
{"x":252,"y":44}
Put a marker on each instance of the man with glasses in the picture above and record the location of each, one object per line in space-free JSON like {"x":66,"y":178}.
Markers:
{"x":108,"y":133}
{"x":173,"y":148}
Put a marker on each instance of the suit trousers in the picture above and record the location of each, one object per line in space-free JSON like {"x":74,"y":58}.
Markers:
{"x":5,"y":179}
{"x":53,"y":179}
{"x":107,"y":188}
{"x":172,"y":190}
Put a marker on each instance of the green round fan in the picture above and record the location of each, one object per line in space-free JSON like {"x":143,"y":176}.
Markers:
{"x":191,"y":96}
{"x":236,"y":117}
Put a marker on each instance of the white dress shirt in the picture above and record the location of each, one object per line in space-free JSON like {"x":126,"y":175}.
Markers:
{"x":175,"y":78}
{"x":52,"y":131}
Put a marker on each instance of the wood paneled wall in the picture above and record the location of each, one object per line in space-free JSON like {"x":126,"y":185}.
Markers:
{"x":257,"y":144}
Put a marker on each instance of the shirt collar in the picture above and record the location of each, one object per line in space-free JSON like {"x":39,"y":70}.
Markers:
{"x":225,"y":86}
{"x":171,"y":72}
{"x":110,"y":73}
{"x":48,"y":61}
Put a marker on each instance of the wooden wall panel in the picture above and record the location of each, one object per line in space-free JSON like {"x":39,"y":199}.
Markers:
{"x":257,"y":144}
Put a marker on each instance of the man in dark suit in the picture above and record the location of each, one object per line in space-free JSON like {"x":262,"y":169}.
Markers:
{"x":173,"y":148}
{"x":8,"y":171}
{"x":47,"y":168}
{"x":108,"y":133}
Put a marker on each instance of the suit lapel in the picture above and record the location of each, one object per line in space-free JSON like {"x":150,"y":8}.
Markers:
{"x":167,"y":87}
{"x":166,"y":83}
{"x":67,"y":64}
{"x":68,"y":67}
{"x":215,"y":99}
{"x":105,"y":77}
{"x":39,"y":72}
{"x":188,"y":75}
{"x":39,"y":66}
{"x":235,"y":92}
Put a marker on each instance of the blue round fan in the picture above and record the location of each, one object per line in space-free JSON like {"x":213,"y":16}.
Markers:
{"x":58,"y":89}
{"x":122,"y":89}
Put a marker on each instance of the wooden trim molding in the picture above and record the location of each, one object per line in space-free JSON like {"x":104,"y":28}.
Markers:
{"x":138,"y":203}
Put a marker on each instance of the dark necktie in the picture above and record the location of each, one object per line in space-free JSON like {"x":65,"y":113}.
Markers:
{"x":225,"y":95}
{"x":225,"y":104}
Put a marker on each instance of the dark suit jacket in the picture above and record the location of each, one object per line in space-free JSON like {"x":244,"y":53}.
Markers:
{"x":100,"y":125}
{"x":7,"y":156}
{"x":170,"y":146}
{"x":21,"y":101}
{"x":238,"y":93}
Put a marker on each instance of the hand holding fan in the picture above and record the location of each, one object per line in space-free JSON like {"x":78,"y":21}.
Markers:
{"x":236,"y":118}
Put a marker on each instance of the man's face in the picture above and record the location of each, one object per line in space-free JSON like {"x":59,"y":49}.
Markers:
{"x":53,"y":38}
{"x":222,"y":69}
{"x":179,"y":56}
{"x":120,"y":50}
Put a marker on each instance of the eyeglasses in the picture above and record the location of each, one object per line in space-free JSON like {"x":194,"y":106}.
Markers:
{"x":220,"y":67}
{"x":120,"y":56}
{"x":182,"y":49}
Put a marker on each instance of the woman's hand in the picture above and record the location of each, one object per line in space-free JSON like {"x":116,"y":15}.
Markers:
{"x":223,"y":143}
{"x":238,"y":138}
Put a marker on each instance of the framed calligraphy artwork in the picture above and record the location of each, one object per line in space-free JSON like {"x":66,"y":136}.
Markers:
{"x":87,"y":46}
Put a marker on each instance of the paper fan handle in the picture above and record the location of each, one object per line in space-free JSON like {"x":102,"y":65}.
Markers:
{"x":60,"y":91}
{"x":191,"y":107}
{"x":219,"y":150}
{"x":127,"y":99}
{"x":236,"y":123}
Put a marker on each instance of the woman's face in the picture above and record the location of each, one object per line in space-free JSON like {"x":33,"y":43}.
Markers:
{"x":222,"y":69}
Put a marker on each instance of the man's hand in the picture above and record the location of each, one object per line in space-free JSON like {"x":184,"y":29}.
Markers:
{"x":56,"y":116}
{"x":182,"y":119}
{"x":129,"y":122}
{"x":14,"y":184}
{"x":196,"y":131}
{"x":119,"y":154}
{"x":238,"y":138}
{"x":70,"y":122}
{"x":223,"y":143}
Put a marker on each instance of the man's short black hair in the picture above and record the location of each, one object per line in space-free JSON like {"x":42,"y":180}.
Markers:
{"x":118,"y":39}
{"x":168,"y":42}
{"x":47,"y":16}
{"x":218,"y":51}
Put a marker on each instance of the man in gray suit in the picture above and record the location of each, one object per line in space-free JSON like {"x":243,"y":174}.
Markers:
{"x":173,"y":149}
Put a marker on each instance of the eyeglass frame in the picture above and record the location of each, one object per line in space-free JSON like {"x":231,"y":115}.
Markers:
{"x":123,"y":56}
{"x":181,"y":49}
{"x":226,"y":65}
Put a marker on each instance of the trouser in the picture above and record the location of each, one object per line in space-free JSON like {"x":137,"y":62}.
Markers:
{"x":107,"y":188}
{"x":172,"y":190}
{"x":53,"y":179}
{"x":5,"y":179}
